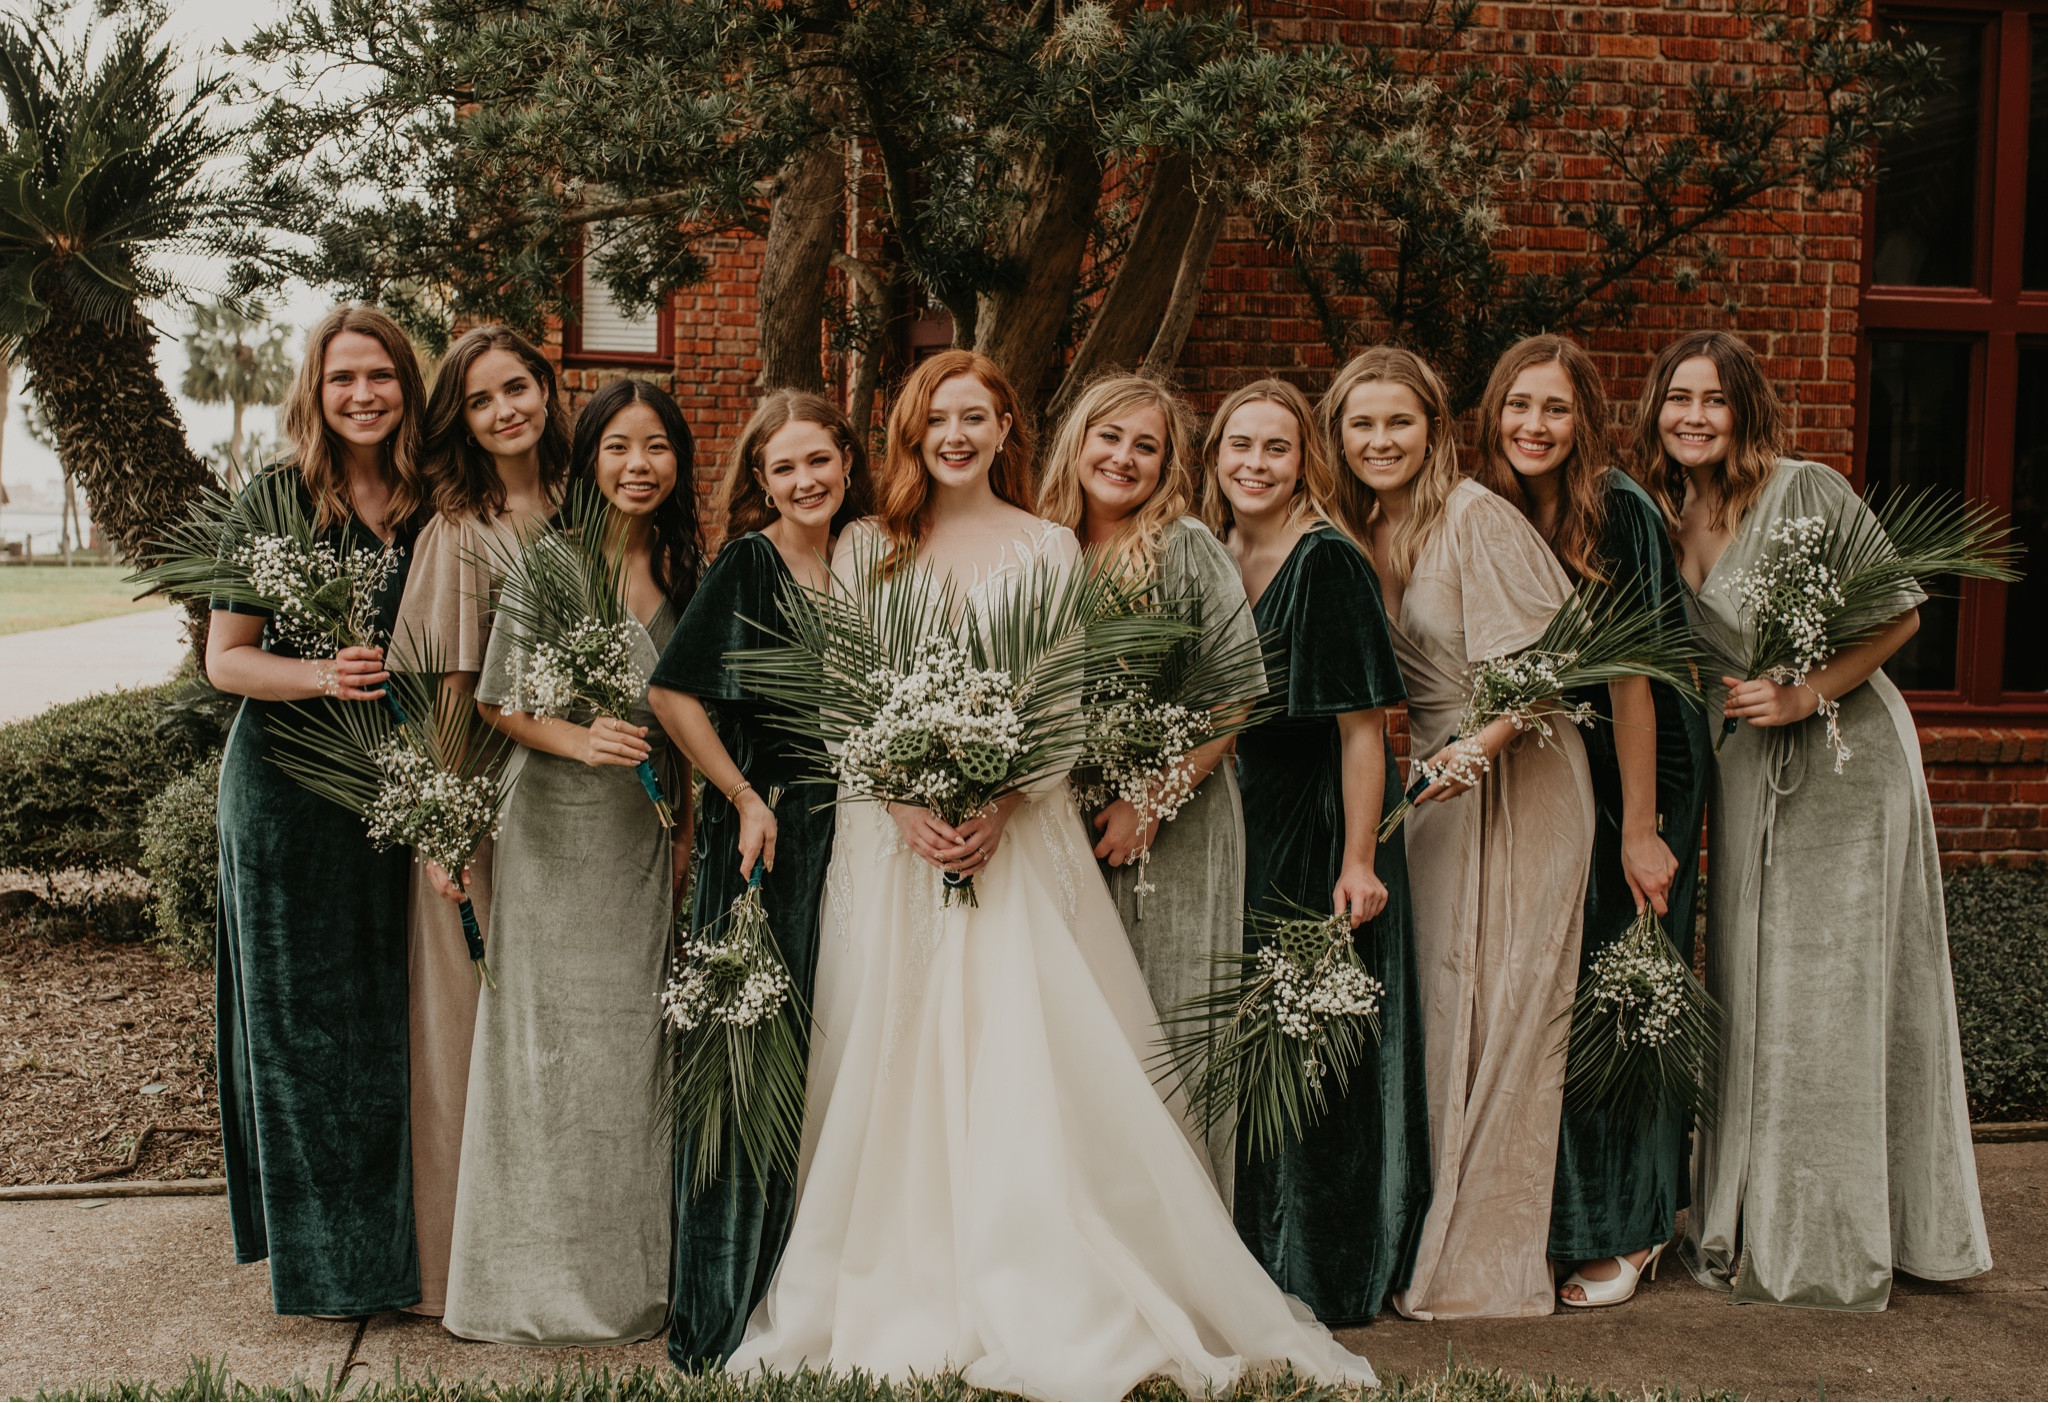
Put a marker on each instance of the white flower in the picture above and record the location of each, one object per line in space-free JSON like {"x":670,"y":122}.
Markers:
{"x":732,"y":982}
{"x":1639,"y":978}
{"x":322,"y":599}
{"x":1795,"y":590}
{"x":440,"y":815}
{"x":593,"y":665}
{"x":1134,"y":749}
{"x":946,"y":735}
{"x":1308,"y":973}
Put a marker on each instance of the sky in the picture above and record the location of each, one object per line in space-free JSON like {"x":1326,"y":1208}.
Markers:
{"x":199,"y":26}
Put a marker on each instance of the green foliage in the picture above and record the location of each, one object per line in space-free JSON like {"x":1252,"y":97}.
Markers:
{"x":1998,"y":941}
{"x":75,"y":780}
{"x":181,"y":856}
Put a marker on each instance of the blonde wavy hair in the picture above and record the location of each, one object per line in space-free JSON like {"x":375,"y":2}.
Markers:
{"x":1352,"y":505}
{"x":1060,"y":498}
{"x":1311,"y":489}
{"x":319,"y":452}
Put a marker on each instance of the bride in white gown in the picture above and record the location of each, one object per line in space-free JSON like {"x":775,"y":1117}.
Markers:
{"x":989,"y":1179}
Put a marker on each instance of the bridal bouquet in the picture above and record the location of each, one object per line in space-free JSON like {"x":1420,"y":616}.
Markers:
{"x":1600,"y":634}
{"x":435,"y":785}
{"x":915,"y":697}
{"x":565,"y":595}
{"x":1276,"y":1021}
{"x":737,"y":1059}
{"x":1645,"y":1034}
{"x":1821,"y":589}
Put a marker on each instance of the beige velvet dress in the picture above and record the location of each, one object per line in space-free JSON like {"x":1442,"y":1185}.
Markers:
{"x":444,"y":621}
{"x":1498,"y":880}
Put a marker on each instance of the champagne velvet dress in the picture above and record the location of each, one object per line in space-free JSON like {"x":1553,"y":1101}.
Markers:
{"x":562,"y":1203}
{"x":1619,"y":1189}
{"x":1499,"y":880}
{"x":310,"y":980}
{"x":444,"y":623}
{"x":729,"y":1237}
{"x":1335,"y":1216}
{"x":1196,"y":912}
{"x":1842,"y":1153}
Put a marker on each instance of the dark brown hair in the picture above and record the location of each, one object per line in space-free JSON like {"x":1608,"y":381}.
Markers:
{"x":464,"y":477}
{"x":320,"y":454}
{"x":1582,"y":516}
{"x":743,"y":501}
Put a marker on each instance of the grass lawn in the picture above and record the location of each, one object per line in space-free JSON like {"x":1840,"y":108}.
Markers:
{"x":205,"y":1379}
{"x":50,"y":596}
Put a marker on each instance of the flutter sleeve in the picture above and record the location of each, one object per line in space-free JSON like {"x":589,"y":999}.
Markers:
{"x":1197,"y":564}
{"x":739,"y":594}
{"x":1340,"y":652}
{"x":1818,"y":490}
{"x":444,"y":621}
{"x":1510,"y":583}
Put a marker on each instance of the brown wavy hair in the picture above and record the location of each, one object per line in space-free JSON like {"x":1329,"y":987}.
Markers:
{"x":464,"y":477}
{"x":903,"y":486}
{"x":743,"y":503}
{"x":1060,"y":498}
{"x":1352,"y":504}
{"x":319,"y":453}
{"x":1762,"y":429}
{"x":1311,"y":489}
{"x":1583,"y":514}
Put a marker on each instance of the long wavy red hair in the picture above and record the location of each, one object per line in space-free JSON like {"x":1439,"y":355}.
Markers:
{"x":903,"y":487}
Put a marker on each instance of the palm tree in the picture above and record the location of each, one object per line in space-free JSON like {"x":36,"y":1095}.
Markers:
{"x":104,"y":172}
{"x":236,"y":360}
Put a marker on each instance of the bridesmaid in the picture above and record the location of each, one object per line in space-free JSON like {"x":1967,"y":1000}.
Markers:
{"x":1334,"y":1217}
{"x":497,"y":454}
{"x":562,"y":1205}
{"x":1500,"y":876}
{"x":311,"y":959}
{"x":1120,"y":474}
{"x":1543,"y":432}
{"x":1842,"y":1152}
{"x":794,"y":479}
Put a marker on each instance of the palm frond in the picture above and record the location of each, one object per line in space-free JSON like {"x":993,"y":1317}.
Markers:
{"x":1645,"y":1035}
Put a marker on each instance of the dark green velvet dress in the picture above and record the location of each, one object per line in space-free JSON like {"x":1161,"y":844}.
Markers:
{"x":310,"y":973}
{"x":729,"y":1237}
{"x":1335,"y":1217}
{"x":1619,"y":1191}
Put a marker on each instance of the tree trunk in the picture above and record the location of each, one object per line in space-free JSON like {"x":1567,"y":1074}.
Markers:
{"x":1188,"y":284}
{"x":117,"y":429}
{"x":1137,"y":297}
{"x":235,"y":473}
{"x":1020,"y":325}
{"x":802,"y":223}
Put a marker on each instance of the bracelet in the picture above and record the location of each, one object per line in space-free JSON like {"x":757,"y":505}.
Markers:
{"x":733,"y":796}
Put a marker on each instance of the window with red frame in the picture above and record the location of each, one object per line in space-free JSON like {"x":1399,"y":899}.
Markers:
{"x":1954,"y":357}
{"x":604,"y":333}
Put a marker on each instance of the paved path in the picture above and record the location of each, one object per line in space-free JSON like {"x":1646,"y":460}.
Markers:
{"x":52,"y":665}
{"x":131,"y":1289}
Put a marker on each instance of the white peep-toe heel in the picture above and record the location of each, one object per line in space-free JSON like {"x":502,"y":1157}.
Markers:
{"x":1617,"y":1288}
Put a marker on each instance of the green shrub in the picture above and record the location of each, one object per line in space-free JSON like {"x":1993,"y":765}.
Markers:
{"x":1998,"y":940}
{"x":74,"y":780}
{"x":181,"y":854}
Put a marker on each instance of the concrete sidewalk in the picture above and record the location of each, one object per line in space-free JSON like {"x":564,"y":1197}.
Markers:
{"x":51,"y":665}
{"x":131,"y":1289}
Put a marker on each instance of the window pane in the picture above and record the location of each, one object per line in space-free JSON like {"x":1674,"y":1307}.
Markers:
{"x":2026,"y":603}
{"x":1927,"y":195}
{"x":608,"y":328}
{"x":1919,"y":436}
{"x":2034,"y":271}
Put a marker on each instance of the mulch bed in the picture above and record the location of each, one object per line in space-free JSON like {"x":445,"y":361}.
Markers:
{"x":99,"y":1042}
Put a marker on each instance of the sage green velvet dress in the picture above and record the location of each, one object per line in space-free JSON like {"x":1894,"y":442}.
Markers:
{"x":1619,"y":1189}
{"x":1196,"y":911}
{"x":310,"y":982}
{"x":729,"y":1237}
{"x":1842,"y":1152}
{"x":1334,"y":1217}
{"x":562,"y":1203}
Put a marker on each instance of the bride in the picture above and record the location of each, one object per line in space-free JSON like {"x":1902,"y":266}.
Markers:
{"x":989,"y":1179}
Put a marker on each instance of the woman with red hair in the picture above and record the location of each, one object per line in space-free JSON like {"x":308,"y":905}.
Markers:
{"x":991,"y":1183}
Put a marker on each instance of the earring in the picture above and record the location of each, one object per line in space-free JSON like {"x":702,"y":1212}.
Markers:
{"x":473,"y":443}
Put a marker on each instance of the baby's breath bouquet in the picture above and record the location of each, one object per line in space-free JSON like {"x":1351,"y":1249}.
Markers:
{"x":1278,"y":1019}
{"x":1645,"y":1034}
{"x":735,"y":1026}
{"x":259,"y":549}
{"x":565,"y":596}
{"x":1599,"y":635}
{"x":914,"y":695}
{"x":432,"y":782}
{"x":1822,"y":588}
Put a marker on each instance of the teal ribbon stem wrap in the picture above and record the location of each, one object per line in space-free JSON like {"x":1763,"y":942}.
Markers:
{"x":651,"y":782}
{"x":1392,"y":821}
{"x":473,"y":937}
{"x":397,"y":711}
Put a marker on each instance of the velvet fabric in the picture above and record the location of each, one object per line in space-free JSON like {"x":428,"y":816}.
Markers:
{"x":1335,"y":1216}
{"x":730,"y":1236}
{"x":1618,"y":1188}
{"x":1842,"y":1151}
{"x":310,"y":1018}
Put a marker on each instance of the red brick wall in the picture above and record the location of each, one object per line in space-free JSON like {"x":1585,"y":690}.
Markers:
{"x":1990,"y":793}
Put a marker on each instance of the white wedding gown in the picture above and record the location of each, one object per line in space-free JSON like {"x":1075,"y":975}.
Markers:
{"x":989,"y":1179}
